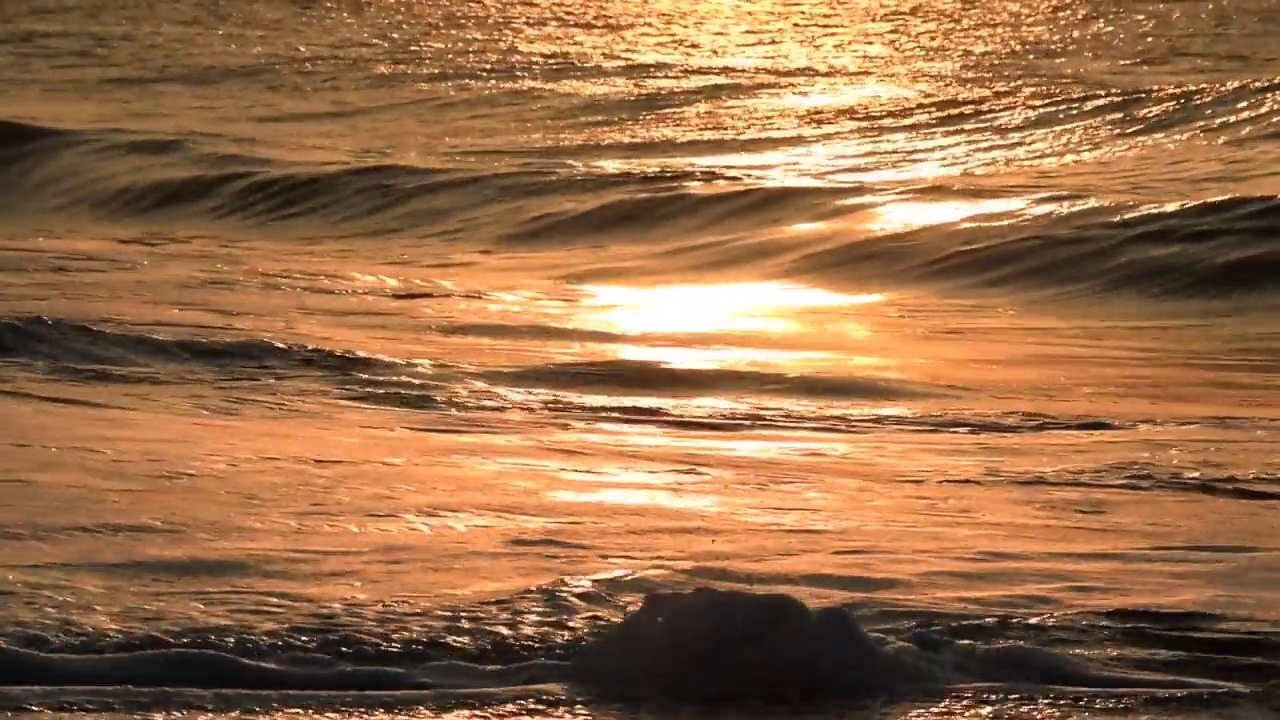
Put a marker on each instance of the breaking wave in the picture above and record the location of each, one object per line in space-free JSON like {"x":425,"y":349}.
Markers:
{"x":701,"y":646}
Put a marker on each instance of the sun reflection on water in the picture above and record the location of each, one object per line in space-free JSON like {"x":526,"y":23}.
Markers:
{"x":637,"y":496}
{"x":842,"y":96}
{"x":759,"y":307}
{"x":727,"y":357}
{"x":907,"y":215}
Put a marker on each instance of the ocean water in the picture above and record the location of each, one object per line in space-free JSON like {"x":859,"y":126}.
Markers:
{"x":374,"y":359}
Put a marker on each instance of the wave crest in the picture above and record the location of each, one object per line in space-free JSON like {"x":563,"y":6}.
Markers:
{"x":1222,"y":248}
{"x":121,"y":176}
{"x":62,"y":342}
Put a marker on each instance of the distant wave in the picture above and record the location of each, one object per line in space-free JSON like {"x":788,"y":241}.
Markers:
{"x":90,"y":352}
{"x":632,"y":376}
{"x":121,"y":176}
{"x":616,"y":391}
{"x":73,"y":344}
{"x":1215,"y":249}
{"x":636,"y":401}
{"x":655,"y":224}
{"x":1259,"y":487}
{"x":1223,"y":248}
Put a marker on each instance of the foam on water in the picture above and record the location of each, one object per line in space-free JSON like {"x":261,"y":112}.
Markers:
{"x":704,"y":645}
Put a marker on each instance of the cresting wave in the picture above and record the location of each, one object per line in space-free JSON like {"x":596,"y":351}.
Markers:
{"x":60,"y":347}
{"x":131,"y":178}
{"x":1221,"y":249}
{"x":72,"y":344}
{"x":631,"y":392}
{"x":700,"y":646}
{"x":654,"y":222}
{"x":615,"y":391}
{"x":1214,"y":249}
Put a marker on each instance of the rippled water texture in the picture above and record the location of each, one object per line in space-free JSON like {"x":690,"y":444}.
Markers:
{"x":376,"y":358}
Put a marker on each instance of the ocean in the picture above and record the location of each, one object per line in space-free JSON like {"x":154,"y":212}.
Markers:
{"x":376,"y":358}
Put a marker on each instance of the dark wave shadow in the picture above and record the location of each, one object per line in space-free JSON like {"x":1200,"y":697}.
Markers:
{"x":639,"y":376}
{"x":90,"y":348}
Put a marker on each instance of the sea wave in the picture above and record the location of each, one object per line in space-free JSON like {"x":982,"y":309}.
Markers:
{"x":109,"y":354}
{"x":133,"y":178}
{"x":662,"y":223}
{"x":635,"y":376}
{"x":78,"y":345}
{"x":707,"y":644}
{"x":1217,"y":249}
{"x":608,"y":391}
{"x":1221,"y":248}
